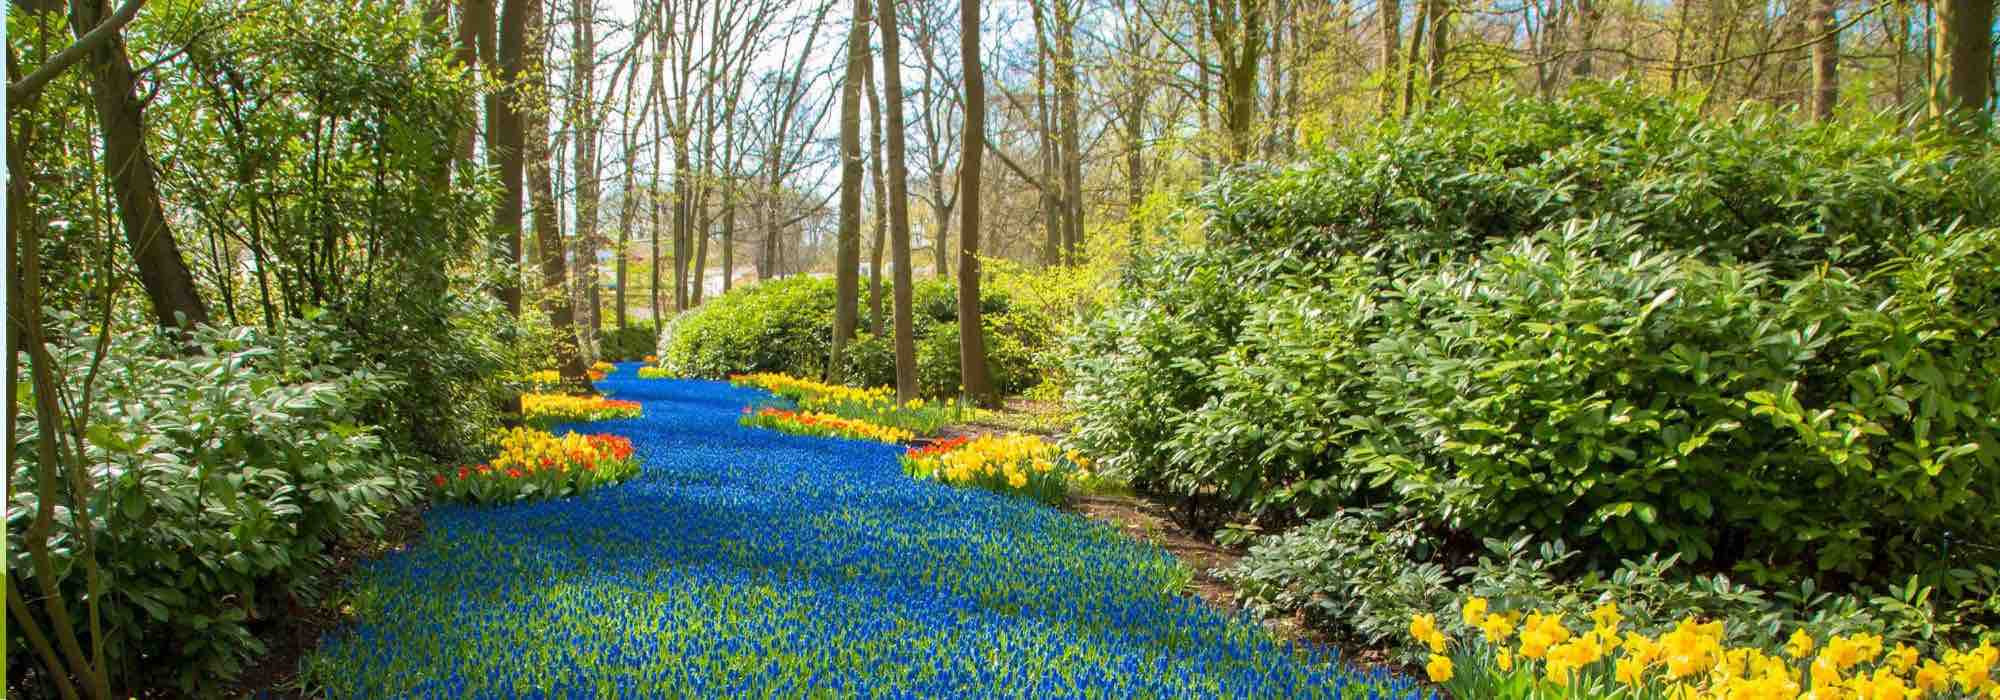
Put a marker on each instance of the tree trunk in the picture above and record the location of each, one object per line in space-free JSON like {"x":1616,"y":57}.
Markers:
{"x":1434,"y":58}
{"x":1239,"y":40}
{"x":467,"y":56}
{"x":1587,"y":16}
{"x":940,"y":248}
{"x":1826,"y":61}
{"x":1410,"y":70}
{"x":1069,"y":117}
{"x":1962,"y":59}
{"x":556,"y":299}
{"x":875,"y":316}
{"x":899,"y":203}
{"x":504,"y":118}
{"x":1045,"y":138}
{"x":971,"y":334}
{"x":129,"y":165}
{"x":583,"y":110}
{"x":847,"y":258}
{"x":1391,"y":15}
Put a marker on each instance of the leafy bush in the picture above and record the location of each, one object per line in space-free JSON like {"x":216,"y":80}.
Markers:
{"x":632,"y":342}
{"x":1608,"y":321}
{"x":785,"y":326}
{"x":222,"y":476}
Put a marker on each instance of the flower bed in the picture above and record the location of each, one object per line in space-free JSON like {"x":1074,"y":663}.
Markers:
{"x":877,"y":405}
{"x":1509,"y":655}
{"x":763,"y":565}
{"x":550,"y":379}
{"x":821,"y":424}
{"x":1016,"y":465}
{"x":655,"y":373}
{"x":560,"y":408}
{"x":535,"y":464}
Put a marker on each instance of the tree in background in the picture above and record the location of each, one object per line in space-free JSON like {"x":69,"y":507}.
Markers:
{"x":847,"y":259}
{"x":971,"y":334}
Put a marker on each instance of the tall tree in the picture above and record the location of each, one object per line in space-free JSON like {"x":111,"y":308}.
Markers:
{"x":129,"y":165}
{"x":1826,"y":61}
{"x":1962,"y":58}
{"x":899,"y":204}
{"x":973,"y":375}
{"x":1391,"y":15}
{"x":583,"y":119}
{"x":534,"y":100}
{"x":1237,"y":27}
{"x":506,"y":144}
{"x":1069,"y":118}
{"x":847,"y":258}
{"x":881,"y":222}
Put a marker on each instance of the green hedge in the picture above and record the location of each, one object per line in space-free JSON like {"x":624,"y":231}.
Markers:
{"x":786,"y":325}
{"x":633,"y":342}
{"x":1763,"y":346}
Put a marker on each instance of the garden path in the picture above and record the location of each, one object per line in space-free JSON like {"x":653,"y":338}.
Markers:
{"x":747,"y":563}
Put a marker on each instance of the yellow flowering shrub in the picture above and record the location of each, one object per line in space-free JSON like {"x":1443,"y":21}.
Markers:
{"x":1532,"y":655}
{"x":1022,"y":465}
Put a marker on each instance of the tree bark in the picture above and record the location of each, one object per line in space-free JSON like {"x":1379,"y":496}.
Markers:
{"x":899,"y":203}
{"x":506,"y":146}
{"x":973,"y":376}
{"x":556,"y":299}
{"x":1392,"y":29}
{"x":1826,"y":61}
{"x":847,"y":258}
{"x":876,"y":174}
{"x":583,"y":111}
{"x":129,"y":165}
{"x":1069,"y":116}
{"x":1962,"y":60}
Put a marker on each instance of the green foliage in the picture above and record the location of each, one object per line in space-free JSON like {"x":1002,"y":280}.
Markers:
{"x":1606,"y":321}
{"x":633,"y":342}
{"x":782,"y":325}
{"x":786,"y":325}
{"x":223,"y":476}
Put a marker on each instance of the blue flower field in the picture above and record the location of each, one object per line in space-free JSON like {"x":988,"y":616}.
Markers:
{"x":748,"y":563}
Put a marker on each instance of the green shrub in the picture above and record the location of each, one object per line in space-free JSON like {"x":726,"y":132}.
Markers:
{"x":1607,"y":321}
{"x":785,"y":326}
{"x":633,"y":342}
{"x":223,"y":476}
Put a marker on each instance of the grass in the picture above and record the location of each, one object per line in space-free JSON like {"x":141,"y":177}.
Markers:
{"x":747,"y":563}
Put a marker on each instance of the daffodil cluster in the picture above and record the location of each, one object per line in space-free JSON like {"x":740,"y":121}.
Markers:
{"x":559,"y":408}
{"x":534,"y":464}
{"x":1508,"y":655}
{"x":821,"y":424}
{"x":549,"y":378}
{"x":876,"y":405}
{"x":655,"y":373}
{"x":1022,"y":465}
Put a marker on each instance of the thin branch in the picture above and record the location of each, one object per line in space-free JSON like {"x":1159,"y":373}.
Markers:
{"x":27,"y":87}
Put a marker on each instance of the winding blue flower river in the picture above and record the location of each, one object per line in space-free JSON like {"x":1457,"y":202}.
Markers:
{"x":747,"y":563}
